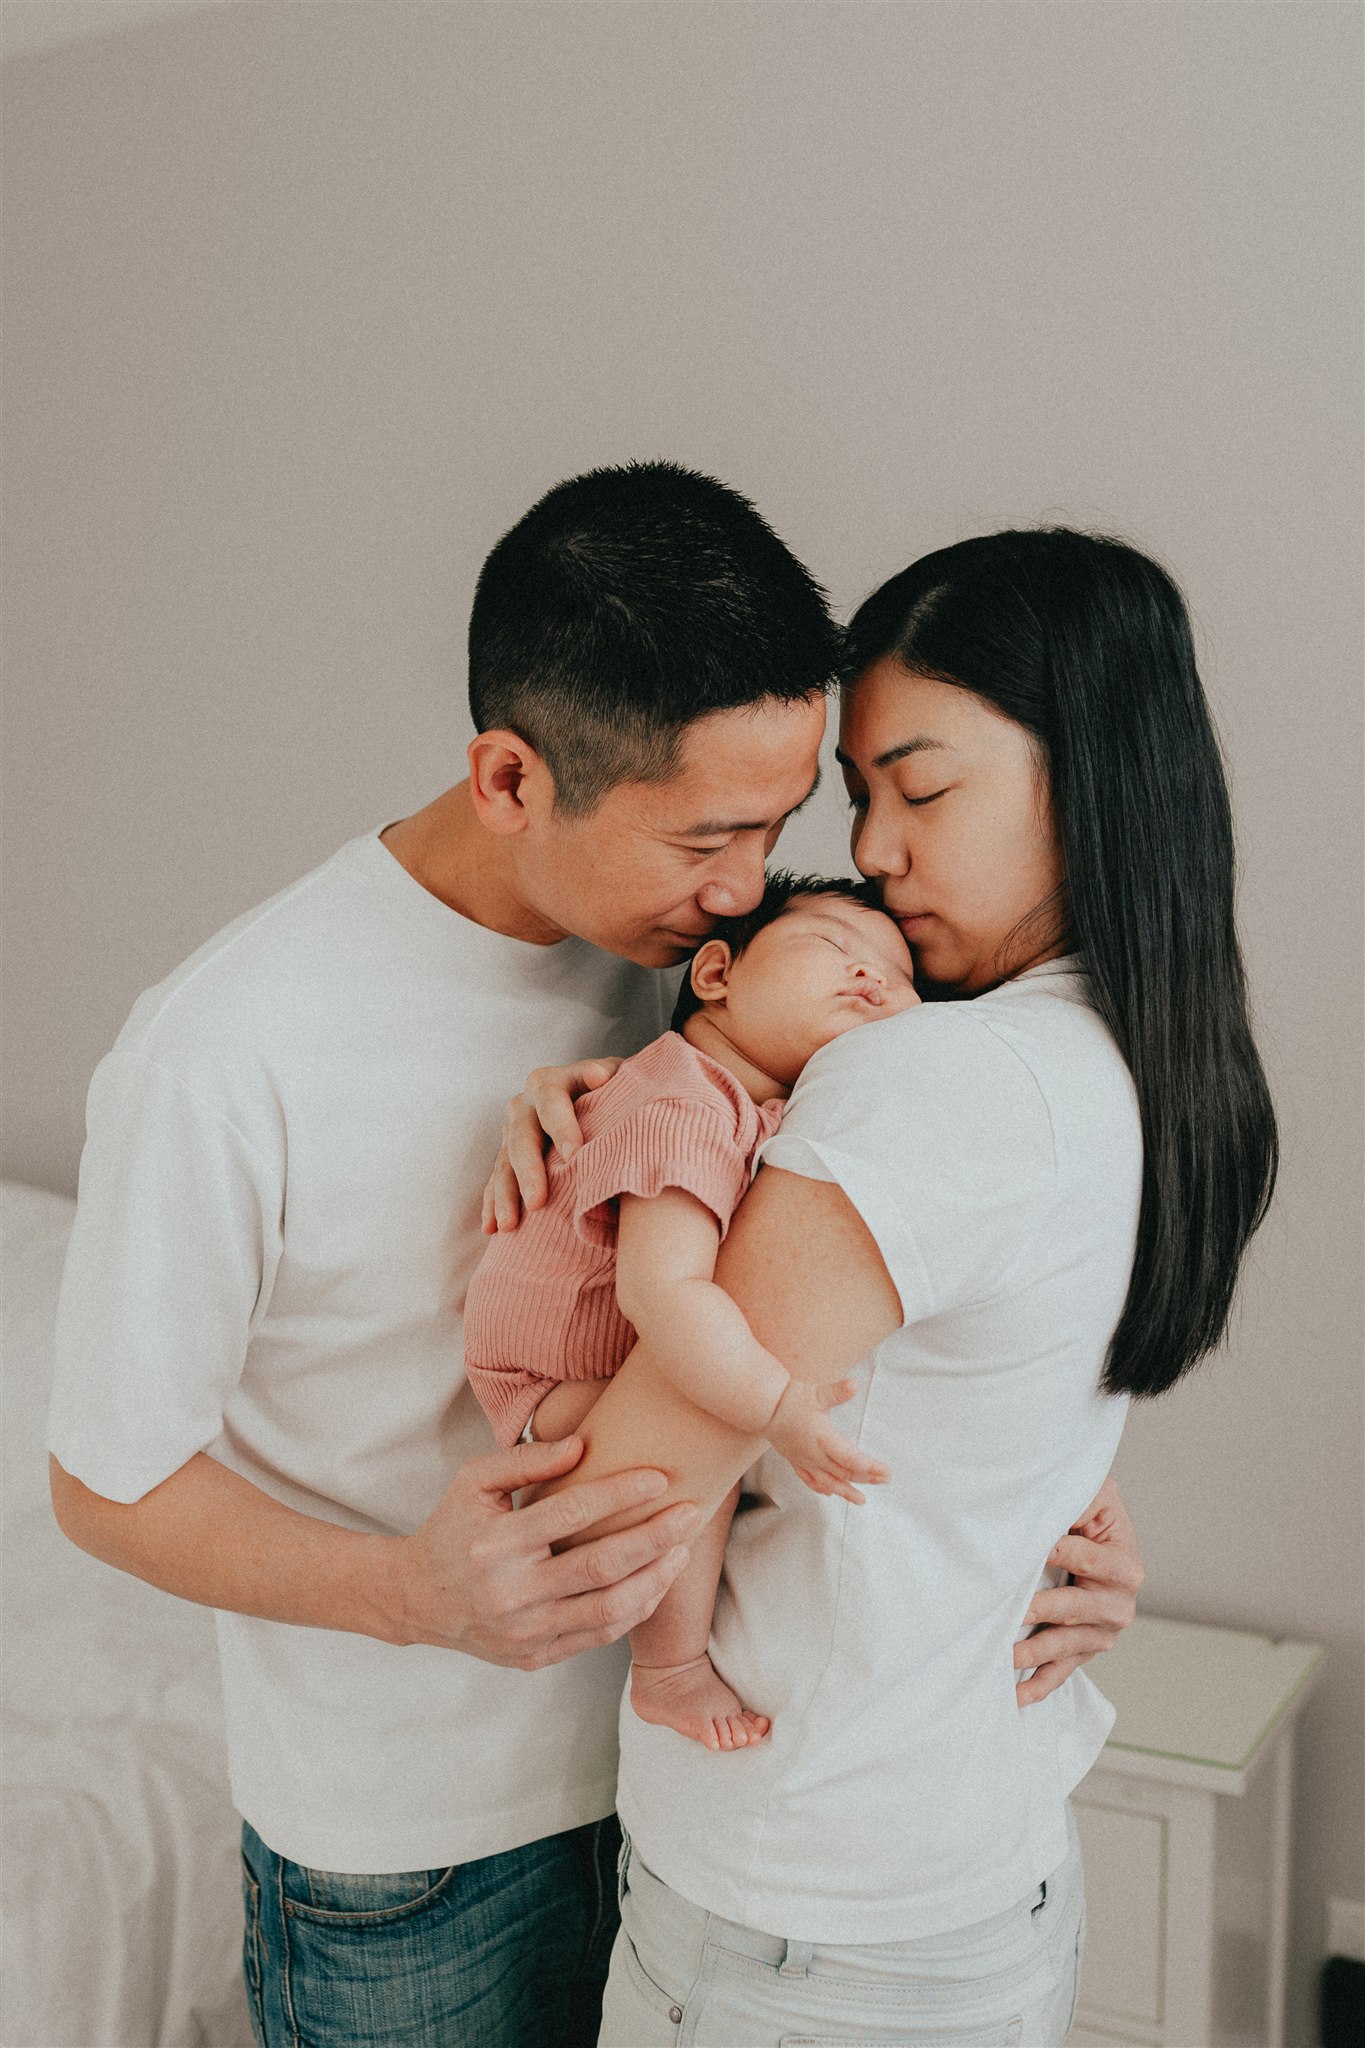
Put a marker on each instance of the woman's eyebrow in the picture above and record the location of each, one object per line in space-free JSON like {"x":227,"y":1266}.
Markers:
{"x":920,"y":744}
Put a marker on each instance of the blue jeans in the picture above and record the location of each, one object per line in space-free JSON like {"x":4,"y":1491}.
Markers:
{"x":685,"y":1978}
{"x":509,"y":1951}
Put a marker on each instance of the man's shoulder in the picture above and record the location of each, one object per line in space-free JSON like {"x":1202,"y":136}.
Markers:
{"x":244,"y":978}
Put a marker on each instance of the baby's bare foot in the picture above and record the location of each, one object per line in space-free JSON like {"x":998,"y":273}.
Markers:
{"x":696,"y":1701}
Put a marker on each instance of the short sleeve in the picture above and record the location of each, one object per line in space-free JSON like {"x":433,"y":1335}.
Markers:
{"x":174,"y":1245}
{"x":662,"y":1143}
{"x":939,"y":1134}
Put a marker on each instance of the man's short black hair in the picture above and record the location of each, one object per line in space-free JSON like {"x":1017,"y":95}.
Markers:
{"x":627,"y":603}
{"x":780,"y":890}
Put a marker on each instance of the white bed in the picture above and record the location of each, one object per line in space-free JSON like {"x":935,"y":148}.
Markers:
{"x":122,"y":1914}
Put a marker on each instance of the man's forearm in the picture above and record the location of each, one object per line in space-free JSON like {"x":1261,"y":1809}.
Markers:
{"x":208,"y":1535}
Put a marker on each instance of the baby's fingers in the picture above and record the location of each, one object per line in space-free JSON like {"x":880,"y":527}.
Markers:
{"x":835,"y":1392}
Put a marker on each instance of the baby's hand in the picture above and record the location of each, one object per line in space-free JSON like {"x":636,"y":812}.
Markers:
{"x":824,"y":1460}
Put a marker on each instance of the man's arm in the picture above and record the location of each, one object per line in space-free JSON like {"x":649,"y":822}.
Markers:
{"x":474,"y":1577}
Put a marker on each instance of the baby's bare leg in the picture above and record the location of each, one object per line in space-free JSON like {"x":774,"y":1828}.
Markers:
{"x":672,"y":1679}
{"x":563,"y":1408}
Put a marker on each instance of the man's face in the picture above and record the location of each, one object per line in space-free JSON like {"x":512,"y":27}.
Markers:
{"x":649,"y":871}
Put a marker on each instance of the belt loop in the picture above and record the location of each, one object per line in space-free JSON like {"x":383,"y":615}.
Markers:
{"x":796,"y":1961}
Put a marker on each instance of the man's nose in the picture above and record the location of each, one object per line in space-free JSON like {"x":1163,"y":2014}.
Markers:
{"x":738,"y":889}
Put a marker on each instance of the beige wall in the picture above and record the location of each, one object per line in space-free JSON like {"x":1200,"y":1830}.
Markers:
{"x":305,"y":304}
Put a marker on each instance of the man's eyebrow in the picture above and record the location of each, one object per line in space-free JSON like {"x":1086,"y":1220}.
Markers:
{"x":718,"y":828}
{"x":920,"y":744}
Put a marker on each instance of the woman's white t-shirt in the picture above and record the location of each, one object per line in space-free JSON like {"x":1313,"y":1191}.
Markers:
{"x":993,"y":1148}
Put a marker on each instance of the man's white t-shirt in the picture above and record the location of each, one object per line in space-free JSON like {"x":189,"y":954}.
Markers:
{"x":993,"y":1148}
{"x":279,"y":1214}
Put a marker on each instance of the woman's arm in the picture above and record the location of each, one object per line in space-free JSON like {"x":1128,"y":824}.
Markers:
{"x":774,"y":1287}
{"x":820,"y":1311}
{"x":666,"y":1286}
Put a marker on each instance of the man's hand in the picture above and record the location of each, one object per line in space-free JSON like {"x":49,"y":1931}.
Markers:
{"x":820,"y":1457}
{"x":1076,"y":1622}
{"x":479,"y":1578}
{"x":543,"y":1111}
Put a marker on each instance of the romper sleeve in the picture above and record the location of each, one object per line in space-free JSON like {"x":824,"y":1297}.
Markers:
{"x":940,"y":1136}
{"x":666,"y":1142}
{"x":173,"y":1249}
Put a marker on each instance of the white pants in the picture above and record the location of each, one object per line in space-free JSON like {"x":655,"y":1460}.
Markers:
{"x":684,"y":1978}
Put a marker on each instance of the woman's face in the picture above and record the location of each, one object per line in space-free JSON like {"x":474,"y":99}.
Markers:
{"x":953,"y":816}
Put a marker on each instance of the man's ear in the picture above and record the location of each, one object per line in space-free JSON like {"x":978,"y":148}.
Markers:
{"x":510,"y":784}
{"x":710,"y":976}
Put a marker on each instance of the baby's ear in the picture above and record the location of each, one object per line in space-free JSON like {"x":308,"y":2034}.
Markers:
{"x":710,"y":975}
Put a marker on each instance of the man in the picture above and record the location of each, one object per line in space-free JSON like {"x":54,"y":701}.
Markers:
{"x":259,"y":1400}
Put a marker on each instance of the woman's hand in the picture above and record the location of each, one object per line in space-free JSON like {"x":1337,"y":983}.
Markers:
{"x":544,"y":1110}
{"x":826,"y":1461}
{"x":1077,"y":1621}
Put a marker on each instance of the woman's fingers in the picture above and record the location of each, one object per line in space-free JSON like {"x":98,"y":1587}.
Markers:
{"x":1101,"y":1563}
{"x":1047,"y":1680}
{"x":1106,"y":1607}
{"x":1056,"y":1645}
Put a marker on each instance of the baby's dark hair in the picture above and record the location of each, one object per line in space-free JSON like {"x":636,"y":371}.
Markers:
{"x":780,"y":891}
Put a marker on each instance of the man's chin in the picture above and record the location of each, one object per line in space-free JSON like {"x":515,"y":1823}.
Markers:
{"x":650,"y":949}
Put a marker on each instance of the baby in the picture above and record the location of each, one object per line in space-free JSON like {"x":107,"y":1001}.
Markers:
{"x":626,"y":1244}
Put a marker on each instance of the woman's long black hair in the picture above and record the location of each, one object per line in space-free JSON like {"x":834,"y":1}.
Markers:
{"x":1086,"y":644}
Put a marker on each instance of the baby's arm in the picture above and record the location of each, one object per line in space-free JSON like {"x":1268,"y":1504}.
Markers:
{"x":665,"y":1287}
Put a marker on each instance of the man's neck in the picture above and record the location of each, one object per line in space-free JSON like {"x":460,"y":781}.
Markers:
{"x":447,"y":850}
{"x":704,"y":1034}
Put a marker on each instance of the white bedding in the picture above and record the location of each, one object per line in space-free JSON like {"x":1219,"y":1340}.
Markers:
{"x":122,"y":1913}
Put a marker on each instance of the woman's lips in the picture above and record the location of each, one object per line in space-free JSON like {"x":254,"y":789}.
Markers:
{"x":912,"y":921}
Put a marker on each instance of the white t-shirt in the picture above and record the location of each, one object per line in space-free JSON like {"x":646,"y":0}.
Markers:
{"x":993,"y":1148}
{"x":278,"y":1218}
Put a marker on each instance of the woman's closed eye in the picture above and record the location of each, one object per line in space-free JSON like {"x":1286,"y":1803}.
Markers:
{"x":916,"y":801}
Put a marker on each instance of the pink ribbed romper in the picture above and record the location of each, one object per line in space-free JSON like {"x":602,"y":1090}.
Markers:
{"x":541,"y":1307}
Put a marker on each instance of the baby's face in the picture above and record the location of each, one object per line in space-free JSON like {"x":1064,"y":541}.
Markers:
{"x":822,"y":968}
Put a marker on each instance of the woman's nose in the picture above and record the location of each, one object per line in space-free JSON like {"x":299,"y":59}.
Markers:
{"x":877,"y":850}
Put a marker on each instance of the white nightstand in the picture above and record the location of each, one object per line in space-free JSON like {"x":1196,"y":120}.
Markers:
{"x":1185,"y":1826}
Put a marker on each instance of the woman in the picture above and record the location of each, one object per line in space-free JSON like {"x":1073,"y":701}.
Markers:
{"x":1024,"y":1202}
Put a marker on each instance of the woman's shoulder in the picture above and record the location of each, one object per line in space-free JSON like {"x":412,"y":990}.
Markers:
{"x":1049,"y":1022}
{"x":1032,"y":1054}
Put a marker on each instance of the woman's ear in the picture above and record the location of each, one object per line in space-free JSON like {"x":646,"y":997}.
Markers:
{"x":710,"y":976}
